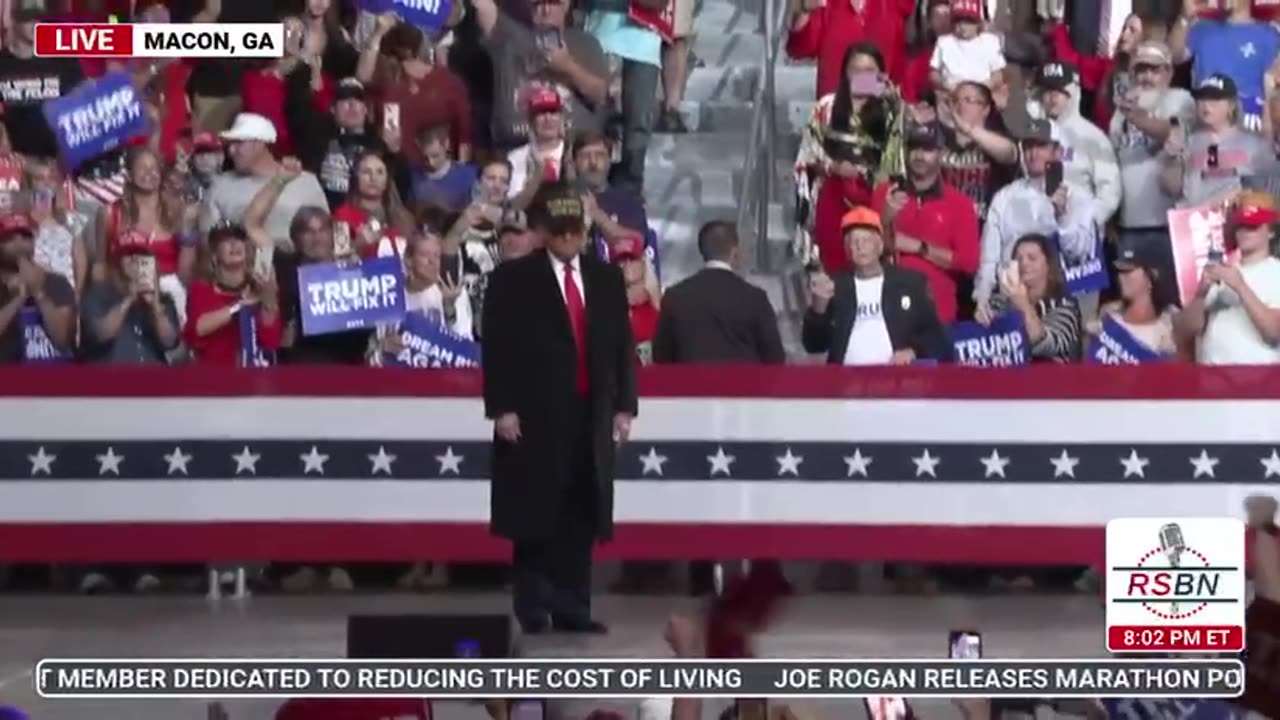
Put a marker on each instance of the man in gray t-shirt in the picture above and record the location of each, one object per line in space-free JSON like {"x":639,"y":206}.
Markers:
{"x":1239,"y":154}
{"x":1214,"y":159}
{"x":254,"y":166}
{"x":547,"y":54}
{"x":1142,"y":122}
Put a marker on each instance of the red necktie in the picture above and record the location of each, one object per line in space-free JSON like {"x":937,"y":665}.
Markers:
{"x":577,"y":324}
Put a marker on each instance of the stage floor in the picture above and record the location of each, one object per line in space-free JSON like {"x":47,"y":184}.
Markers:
{"x":855,"y":626}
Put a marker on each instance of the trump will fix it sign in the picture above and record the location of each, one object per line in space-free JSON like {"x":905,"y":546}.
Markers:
{"x":1175,"y":585}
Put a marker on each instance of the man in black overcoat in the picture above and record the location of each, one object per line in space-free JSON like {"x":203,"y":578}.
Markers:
{"x":560,"y":386}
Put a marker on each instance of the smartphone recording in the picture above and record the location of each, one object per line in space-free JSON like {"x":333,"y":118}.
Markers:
{"x":964,"y":645}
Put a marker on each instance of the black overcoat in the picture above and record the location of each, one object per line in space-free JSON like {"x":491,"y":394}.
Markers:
{"x":529,"y":363}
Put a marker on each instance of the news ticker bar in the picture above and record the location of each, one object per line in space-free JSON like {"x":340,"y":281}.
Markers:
{"x":209,"y":678}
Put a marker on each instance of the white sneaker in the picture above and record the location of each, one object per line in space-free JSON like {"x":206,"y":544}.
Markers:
{"x":340,"y":580}
{"x":146,"y":583}
{"x":92,"y":582}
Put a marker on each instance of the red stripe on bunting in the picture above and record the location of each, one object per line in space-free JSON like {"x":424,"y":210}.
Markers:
{"x":383,"y":542}
{"x":1056,"y":382}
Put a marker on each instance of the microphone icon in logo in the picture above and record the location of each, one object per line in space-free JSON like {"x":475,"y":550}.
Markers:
{"x":1172,"y":543}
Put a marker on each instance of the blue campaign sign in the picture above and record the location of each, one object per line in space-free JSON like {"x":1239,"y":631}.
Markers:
{"x":426,"y":14}
{"x":334,"y":297}
{"x":37,"y":346}
{"x":1087,"y":274}
{"x":1003,"y":343}
{"x":1164,"y":708}
{"x":251,"y":353}
{"x":96,"y":118}
{"x":1115,"y":345}
{"x":429,"y":344}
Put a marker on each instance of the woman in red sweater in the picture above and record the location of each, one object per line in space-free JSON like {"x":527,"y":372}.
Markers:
{"x":823,"y":29}
{"x":218,"y":310}
{"x":373,"y":221}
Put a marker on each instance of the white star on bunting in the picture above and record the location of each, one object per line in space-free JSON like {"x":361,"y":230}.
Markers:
{"x":926,"y":464}
{"x":313,"y":460}
{"x":42,"y":462}
{"x":381,"y":461}
{"x":1203,"y":464}
{"x":109,"y":462}
{"x":993,"y":464}
{"x":789,"y":463}
{"x":720,"y":462}
{"x":1134,"y":465}
{"x":652,"y":462}
{"x":246,"y":461}
{"x":177,"y":461}
{"x":857,"y":463}
{"x":1064,"y":465}
{"x":450,"y":462}
{"x":1271,"y":465}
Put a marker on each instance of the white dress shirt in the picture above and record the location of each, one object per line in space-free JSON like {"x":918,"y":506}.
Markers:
{"x":558,"y":265}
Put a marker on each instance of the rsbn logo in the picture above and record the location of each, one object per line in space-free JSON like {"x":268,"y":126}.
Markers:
{"x":1175,"y":584}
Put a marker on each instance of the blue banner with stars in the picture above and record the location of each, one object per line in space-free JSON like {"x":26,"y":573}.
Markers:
{"x":254,"y":457}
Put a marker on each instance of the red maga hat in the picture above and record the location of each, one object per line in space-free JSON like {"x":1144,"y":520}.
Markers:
{"x":13,"y":223}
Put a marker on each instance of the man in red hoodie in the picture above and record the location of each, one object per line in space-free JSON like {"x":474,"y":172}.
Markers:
{"x":824,"y":29}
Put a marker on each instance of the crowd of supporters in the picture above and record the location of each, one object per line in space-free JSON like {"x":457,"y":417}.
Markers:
{"x":1012,"y":149}
{"x":370,"y":137}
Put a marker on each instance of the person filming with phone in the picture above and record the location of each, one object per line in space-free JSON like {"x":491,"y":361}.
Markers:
{"x":1207,"y":166}
{"x":125,"y":318}
{"x":1235,"y":313}
{"x":1042,"y":202}
{"x":550,"y":53}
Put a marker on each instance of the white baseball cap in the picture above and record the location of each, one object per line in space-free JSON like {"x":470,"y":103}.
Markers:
{"x":250,"y":126}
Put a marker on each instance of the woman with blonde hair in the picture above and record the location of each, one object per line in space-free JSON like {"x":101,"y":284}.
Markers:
{"x":150,"y":208}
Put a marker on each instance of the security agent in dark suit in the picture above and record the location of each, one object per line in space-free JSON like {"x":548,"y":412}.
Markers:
{"x":897,"y":328}
{"x":559,"y":383}
{"x":715,"y":316}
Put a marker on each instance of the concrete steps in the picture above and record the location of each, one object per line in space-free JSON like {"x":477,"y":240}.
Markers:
{"x":697,"y":177}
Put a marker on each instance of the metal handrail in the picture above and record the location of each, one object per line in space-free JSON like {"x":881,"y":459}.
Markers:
{"x":758,"y":183}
